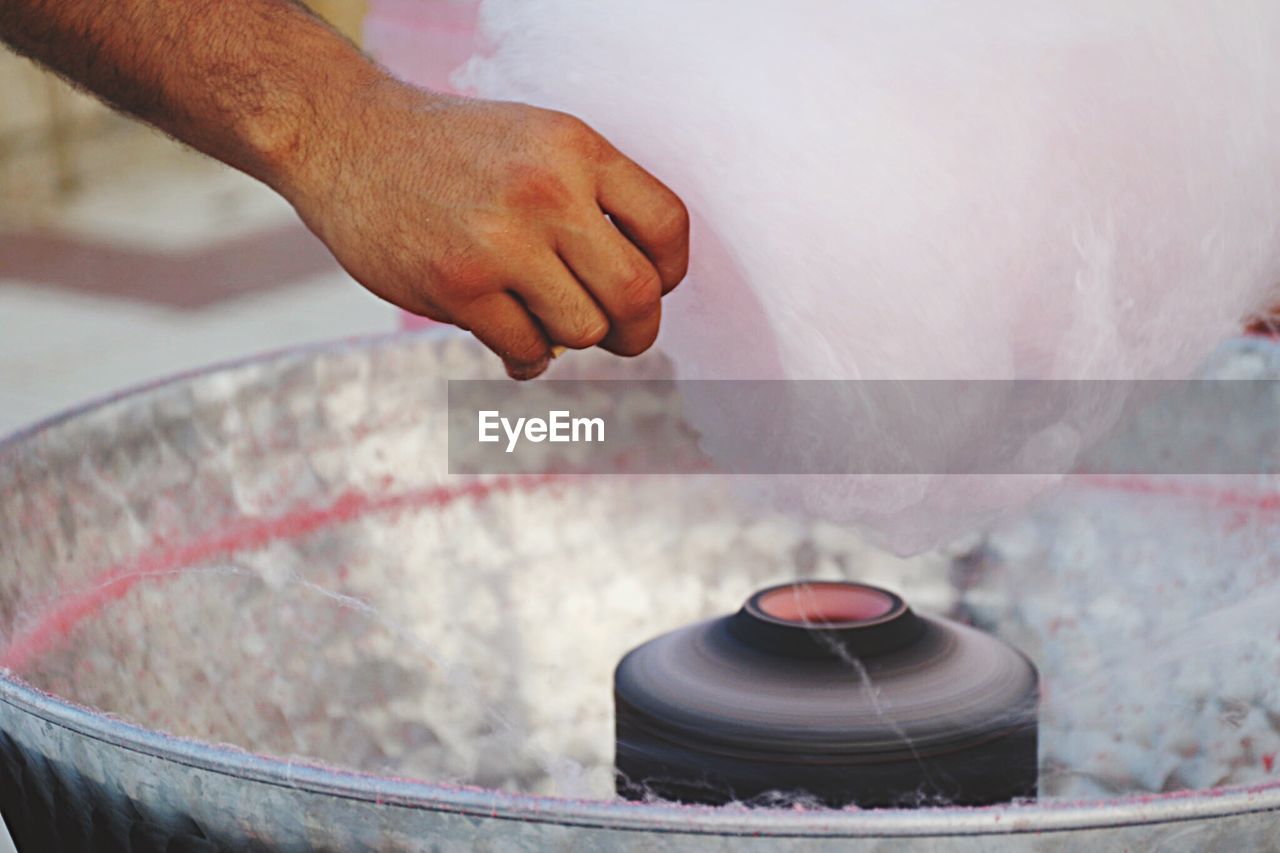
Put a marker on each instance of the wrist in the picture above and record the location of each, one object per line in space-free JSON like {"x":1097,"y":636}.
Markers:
{"x":339,"y":135}
{"x":326,"y":129}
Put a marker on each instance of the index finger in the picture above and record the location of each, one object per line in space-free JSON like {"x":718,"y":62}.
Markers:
{"x":650,"y":215}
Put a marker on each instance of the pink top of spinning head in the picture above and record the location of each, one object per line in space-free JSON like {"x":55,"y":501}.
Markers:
{"x":826,"y":603}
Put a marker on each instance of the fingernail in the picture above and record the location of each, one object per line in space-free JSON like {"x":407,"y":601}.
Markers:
{"x":558,"y":350}
{"x":527,"y":371}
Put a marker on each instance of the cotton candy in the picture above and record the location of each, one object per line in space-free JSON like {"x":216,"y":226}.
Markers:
{"x":907,"y":189}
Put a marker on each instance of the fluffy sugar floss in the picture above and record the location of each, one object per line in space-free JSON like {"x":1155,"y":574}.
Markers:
{"x":920,"y":190}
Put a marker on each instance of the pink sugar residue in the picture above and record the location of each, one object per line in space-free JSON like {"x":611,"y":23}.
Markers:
{"x":1223,"y":498}
{"x":246,"y":534}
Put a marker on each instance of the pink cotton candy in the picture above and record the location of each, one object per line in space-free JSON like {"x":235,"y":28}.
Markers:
{"x":911,"y":190}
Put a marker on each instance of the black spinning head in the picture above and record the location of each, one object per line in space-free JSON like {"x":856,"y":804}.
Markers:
{"x":832,"y":690}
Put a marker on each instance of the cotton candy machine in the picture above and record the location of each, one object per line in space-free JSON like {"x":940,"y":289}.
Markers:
{"x":833,"y":691}
{"x":249,"y":609}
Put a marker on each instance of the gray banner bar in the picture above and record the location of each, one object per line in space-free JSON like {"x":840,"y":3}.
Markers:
{"x":866,"y":427}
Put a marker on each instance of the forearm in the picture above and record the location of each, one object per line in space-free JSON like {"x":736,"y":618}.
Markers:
{"x":521,"y":224}
{"x":258,"y":84}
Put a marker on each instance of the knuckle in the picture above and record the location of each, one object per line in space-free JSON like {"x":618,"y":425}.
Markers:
{"x":561,"y":125}
{"x":633,"y":344}
{"x":567,"y":131}
{"x":638,"y":294}
{"x":671,"y":225}
{"x":586,"y":332}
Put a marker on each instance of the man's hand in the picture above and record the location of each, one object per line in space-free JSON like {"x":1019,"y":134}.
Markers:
{"x":522,"y":225}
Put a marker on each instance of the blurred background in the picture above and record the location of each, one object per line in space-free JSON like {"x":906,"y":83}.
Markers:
{"x":125,"y":256}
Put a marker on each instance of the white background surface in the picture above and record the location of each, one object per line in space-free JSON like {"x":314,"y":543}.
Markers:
{"x":60,"y":347}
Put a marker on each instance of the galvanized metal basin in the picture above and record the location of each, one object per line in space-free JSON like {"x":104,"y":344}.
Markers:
{"x":249,"y":609}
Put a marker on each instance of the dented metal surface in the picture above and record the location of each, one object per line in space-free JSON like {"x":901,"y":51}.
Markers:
{"x":216,"y":557}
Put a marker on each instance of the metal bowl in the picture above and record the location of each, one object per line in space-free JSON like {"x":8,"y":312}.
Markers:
{"x":248,"y":608}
